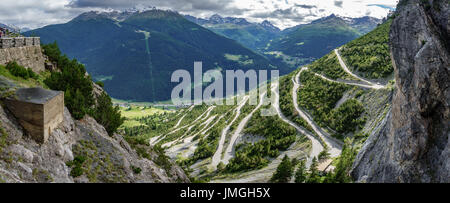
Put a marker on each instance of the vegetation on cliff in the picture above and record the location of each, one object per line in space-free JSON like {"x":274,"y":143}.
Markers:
{"x":284,"y":171}
{"x":346,"y":117}
{"x":20,"y":71}
{"x":78,"y":88}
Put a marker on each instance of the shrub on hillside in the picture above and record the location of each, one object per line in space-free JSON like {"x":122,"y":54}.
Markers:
{"x":20,"y":71}
{"x":78,"y":88}
{"x":52,"y":51}
{"x":106,"y":114}
{"x":346,"y":118}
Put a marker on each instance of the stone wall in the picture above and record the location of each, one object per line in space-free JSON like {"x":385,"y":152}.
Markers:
{"x":25,"y":51}
{"x":6,"y":43}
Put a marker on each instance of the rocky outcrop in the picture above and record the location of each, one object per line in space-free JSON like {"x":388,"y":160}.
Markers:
{"x":413,"y":144}
{"x":77,"y":151}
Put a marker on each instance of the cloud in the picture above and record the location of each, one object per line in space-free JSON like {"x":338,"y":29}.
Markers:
{"x":184,"y":5}
{"x":390,"y":7}
{"x":338,"y":3}
{"x":290,"y":13}
{"x":283,"y":13}
{"x":305,"y":6}
{"x":33,"y":14}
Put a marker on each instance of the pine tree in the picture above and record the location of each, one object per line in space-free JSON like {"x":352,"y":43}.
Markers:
{"x":345,"y":161}
{"x":313,"y":172}
{"x":74,"y":100}
{"x":301,"y":175}
{"x":107,"y":115}
{"x":284,"y":171}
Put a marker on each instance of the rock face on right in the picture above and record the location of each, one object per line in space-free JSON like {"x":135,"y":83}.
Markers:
{"x":413,"y":144}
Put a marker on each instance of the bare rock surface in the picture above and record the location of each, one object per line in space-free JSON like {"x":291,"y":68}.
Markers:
{"x":412,"y":145}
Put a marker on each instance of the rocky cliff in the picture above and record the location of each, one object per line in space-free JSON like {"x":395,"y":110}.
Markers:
{"x":77,"y":151}
{"x":412,"y":144}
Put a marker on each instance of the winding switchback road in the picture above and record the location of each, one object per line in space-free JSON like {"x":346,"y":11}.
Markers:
{"x":156,"y":139}
{"x":229,"y":152}
{"x":202,"y":117}
{"x":347,"y":82}
{"x":347,"y":70}
{"x":218,"y":154}
{"x":335,"y":146}
{"x":316,"y":146}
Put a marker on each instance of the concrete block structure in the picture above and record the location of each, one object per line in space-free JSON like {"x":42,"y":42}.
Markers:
{"x":38,"y":110}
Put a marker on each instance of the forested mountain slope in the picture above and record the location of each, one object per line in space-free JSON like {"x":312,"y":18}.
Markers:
{"x":140,"y":51}
{"x":306,"y":43}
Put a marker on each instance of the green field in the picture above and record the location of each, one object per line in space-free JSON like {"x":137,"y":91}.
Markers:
{"x":134,"y":113}
{"x":139,"y":112}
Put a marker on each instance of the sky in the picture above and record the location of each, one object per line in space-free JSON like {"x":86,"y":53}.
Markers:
{"x":282,"y":13}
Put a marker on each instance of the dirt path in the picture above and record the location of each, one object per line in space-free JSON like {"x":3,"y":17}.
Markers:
{"x":157,"y":139}
{"x":229,"y":152}
{"x":218,"y":154}
{"x":188,"y":146}
{"x":179,"y":121}
{"x":334,"y":145}
{"x":202,"y":117}
{"x":347,"y":70}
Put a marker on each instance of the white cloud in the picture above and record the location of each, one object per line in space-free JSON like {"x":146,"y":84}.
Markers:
{"x":283,"y":13}
{"x":33,"y":14}
{"x":298,"y":12}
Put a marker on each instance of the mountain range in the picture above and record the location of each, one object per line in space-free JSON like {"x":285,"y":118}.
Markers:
{"x":139,"y":50}
{"x":251,"y":35}
{"x":305,"y":43}
{"x":293,"y":46}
